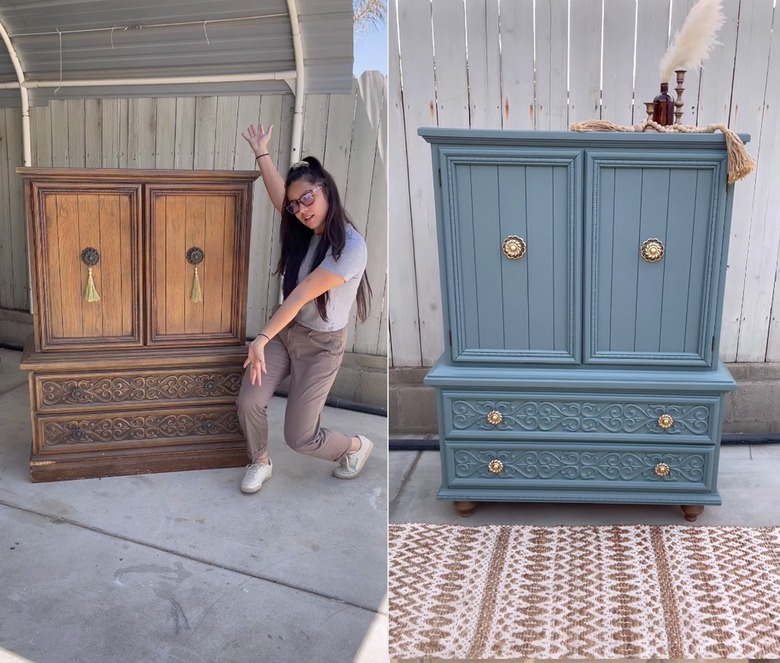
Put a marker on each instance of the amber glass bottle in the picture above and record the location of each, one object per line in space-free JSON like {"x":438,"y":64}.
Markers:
{"x":663,"y":107}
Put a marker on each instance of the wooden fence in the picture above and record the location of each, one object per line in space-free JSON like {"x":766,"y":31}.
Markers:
{"x":348,"y":133}
{"x":512,"y":64}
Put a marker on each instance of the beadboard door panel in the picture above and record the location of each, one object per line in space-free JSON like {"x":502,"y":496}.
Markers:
{"x":641,"y":311}
{"x":513,"y":309}
{"x":181,"y":221}
{"x":68,"y":222}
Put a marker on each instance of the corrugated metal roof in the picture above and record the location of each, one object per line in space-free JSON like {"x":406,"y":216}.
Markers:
{"x":117,"y":39}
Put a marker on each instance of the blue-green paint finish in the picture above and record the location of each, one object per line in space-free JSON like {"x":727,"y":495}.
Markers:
{"x":662,"y":312}
{"x":446,"y":375}
{"x":558,"y":466}
{"x":622,"y":417}
{"x":499,"y":309}
{"x":581,"y":345}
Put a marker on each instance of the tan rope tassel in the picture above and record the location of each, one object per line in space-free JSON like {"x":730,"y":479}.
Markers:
{"x":196,"y":294}
{"x":91,"y":294}
{"x":741,"y":164}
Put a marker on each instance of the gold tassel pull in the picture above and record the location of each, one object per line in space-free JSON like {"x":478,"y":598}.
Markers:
{"x":196,"y":295}
{"x":91,"y":294}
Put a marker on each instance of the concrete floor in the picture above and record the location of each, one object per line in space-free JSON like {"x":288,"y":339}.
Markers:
{"x":183,"y":567}
{"x":748,"y":481}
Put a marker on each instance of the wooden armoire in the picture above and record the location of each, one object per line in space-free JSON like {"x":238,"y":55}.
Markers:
{"x":139,"y":303}
{"x":582,"y":278}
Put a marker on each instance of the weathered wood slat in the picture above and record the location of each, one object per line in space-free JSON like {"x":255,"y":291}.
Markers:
{"x":585,"y":88}
{"x":18,"y":237}
{"x":362,"y":163}
{"x":6,"y":244}
{"x":484,"y":60}
{"x":753,"y":112}
{"x":449,"y":43}
{"x":185,"y":133}
{"x":225,"y":145}
{"x":551,"y":58}
{"x":420,"y":110}
{"x":617,"y":63}
{"x":93,"y":133}
{"x":651,"y":44}
{"x":366,"y":333}
{"x":165,"y":138}
{"x":110,"y":133}
{"x":517,"y":64}
{"x":76,"y":145}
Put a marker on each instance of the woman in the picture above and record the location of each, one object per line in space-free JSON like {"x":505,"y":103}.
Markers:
{"x":323,"y":260}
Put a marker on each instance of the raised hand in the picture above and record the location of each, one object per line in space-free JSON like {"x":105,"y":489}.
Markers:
{"x":258,"y":138}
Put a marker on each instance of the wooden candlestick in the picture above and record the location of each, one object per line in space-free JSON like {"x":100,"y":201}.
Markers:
{"x":678,"y":103}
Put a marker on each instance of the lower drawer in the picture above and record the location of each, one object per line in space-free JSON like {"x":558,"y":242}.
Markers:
{"x":141,"y":429}
{"x":560,"y":466}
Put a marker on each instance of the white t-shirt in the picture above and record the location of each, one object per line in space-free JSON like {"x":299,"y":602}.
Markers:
{"x":350,"y":266}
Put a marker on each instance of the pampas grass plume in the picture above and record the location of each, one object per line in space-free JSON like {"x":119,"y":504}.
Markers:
{"x":693,"y":43}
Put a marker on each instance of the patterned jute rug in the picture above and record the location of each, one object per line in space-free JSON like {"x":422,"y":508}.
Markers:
{"x":636,"y":591}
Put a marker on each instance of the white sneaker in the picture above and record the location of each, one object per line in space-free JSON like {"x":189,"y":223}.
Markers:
{"x":256,"y":474}
{"x":353,"y":461}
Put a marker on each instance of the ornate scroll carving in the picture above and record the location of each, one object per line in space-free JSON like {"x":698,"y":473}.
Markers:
{"x":140,"y":388}
{"x":581,"y":465}
{"x":581,"y":416}
{"x":105,"y":430}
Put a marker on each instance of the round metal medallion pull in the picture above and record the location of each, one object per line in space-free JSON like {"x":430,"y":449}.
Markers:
{"x":494,"y":417}
{"x":495,"y":466}
{"x":665,"y":421}
{"x":195,"y":255}
{"x":90,"y":256}
{"x":514,"y":247}
{"x":662,"y":469}
{"x":652,"y":250}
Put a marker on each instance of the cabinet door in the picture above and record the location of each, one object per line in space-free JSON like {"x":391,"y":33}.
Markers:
{"x":640,"y":311}
{"x":187,"y":223}
{"x":69,"y":220}
{"x":503,"y":308}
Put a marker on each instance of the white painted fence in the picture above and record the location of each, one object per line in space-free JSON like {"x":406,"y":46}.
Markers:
{"x":470,"y":63}
{"x":347,"y":132}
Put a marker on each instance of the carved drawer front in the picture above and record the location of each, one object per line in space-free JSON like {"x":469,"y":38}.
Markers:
{"x":136,"y":430}
{"x":542,"y":466}
{"x":633,"y":418}
{"x":140,"y":389}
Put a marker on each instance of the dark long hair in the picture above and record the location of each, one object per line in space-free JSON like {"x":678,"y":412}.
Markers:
{"x":296,"y":237}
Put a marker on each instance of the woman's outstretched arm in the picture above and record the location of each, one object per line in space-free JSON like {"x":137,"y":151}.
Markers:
{"x":319,"y":281}
{"x":274,"y":183}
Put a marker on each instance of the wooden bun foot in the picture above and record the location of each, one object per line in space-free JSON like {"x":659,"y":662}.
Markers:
{"x":465,"y":509}
{"x":692,"y":512}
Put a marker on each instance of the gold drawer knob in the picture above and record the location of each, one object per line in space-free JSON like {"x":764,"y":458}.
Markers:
{"x":662,"y":469}
{"x":496,"y":466}
{"x":494,"y":417}
{"x":652,"y":250}
{"x":514,"y":247}
{"x":665,"y":421}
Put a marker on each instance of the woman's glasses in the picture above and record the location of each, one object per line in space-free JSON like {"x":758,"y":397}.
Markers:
{"x":305,"y":200}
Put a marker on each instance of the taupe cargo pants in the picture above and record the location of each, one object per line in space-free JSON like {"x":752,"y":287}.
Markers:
{"x":312,"y":360}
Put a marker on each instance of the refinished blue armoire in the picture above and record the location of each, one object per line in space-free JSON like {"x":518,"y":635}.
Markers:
{"x":582,"y":280}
